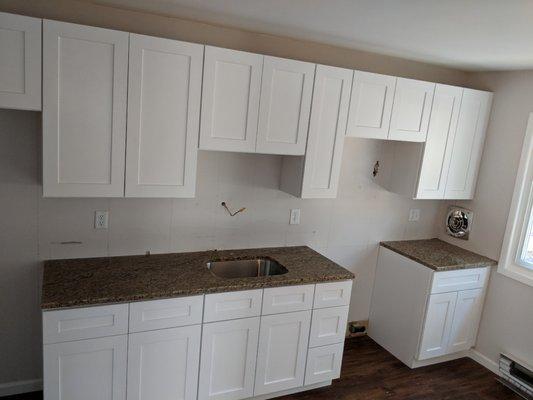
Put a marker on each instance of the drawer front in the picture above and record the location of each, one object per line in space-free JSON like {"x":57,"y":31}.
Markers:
{"x":167,"y":313}
{"x":333,"y":294}
{"x":324,"y":363}
{"x":464,"y":279}
{"x":232,"y":305}
{"x":288,"y":299}
{"x":328,"y":326}
{"x":84,"y":323}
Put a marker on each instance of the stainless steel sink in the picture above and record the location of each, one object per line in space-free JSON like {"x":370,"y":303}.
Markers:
{"x":253,"y":268}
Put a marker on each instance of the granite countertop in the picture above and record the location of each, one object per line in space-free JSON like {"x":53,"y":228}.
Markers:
{"x":438,"y":255}
{"x":91,"y":281}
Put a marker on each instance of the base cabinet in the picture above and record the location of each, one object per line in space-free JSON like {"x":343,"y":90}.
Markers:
{"x":324,"y":363}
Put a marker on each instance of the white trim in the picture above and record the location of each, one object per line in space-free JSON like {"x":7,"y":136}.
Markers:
{"x":484,"y":361}
{"x":17,"y":387}
{"x":518,"y":214}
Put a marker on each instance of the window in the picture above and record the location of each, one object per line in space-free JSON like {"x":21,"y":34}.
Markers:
{"x":516,"y":260}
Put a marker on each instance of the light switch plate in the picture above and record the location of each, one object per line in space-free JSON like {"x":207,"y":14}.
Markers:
{"x":295,"y":217}
{"x":101,"y":219}
{"x":414,"y":214}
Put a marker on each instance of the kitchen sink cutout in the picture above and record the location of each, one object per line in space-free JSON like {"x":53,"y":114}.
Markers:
{"x":252,"y":268}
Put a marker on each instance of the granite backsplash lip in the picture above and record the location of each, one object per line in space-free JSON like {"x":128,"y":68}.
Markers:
{"x":108,"y":280}
{"x":438,"y":254}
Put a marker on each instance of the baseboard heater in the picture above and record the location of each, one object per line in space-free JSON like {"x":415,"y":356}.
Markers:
{"x":516,"y":375}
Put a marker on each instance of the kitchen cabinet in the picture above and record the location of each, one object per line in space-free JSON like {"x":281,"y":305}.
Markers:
{"x":285,"y":104}
{"x":283,"y":343}
{"x":324,"y":363}
{"x":467,"y":314}
{"x":20,"y":62}
{"x":164,"y":90}
{"x":84,"y":110}
{"x":317,"y":174}
{"x":230,"y":100}
{"x":370,"y":105}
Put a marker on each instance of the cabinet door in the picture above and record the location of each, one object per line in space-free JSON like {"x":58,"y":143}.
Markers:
{"x":437,"y":325}
{"x":465,"y":320}
{"x":229,"y":352}
{"x":86,"y":369}
{"x":286,"y":91}
{"x":84,"y":110}
{"x":163,"y":364}
{"x":328,"y":326}
{"x":20,"y":62}
{"x":437,"y":149}
{"x":165,"y":78}
{"x":370,"y":105}
{"x":230,"y":100}
{"x":324,"y":363}
{"x":411,"y":110}
{"x":468,"y":144}
{"x":282,"y":352}
{"x":329,"y":113}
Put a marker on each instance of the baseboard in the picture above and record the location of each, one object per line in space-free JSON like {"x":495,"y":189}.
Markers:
{"x":484,"y":360}
{"x":17,"y":387}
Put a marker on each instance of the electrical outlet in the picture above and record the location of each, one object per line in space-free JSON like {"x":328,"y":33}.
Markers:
{"x":414,"y":214}
{"x":295,"y":217}
{"x":101,"y":219}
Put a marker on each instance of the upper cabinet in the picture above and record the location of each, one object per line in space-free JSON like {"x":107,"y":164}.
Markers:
{"x":230,"y":100}
{"x":286,"y":90}
{"x":85,"y":73}
{"x":20,"y":62}
{"x":165,"y":79}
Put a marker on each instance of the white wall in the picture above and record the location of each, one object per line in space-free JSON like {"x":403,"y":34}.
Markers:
{"x":507,"y":320}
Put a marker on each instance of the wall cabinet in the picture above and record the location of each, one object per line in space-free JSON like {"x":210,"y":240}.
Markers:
{"x":20,"y":62}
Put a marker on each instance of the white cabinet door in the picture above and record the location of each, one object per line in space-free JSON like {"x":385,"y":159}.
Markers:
{"x":163,"y":364}
{"x":411,"y":110}
{"x":282,"y":352}
{"x":84,"y":110}
{"x":324,"y":363}
{"x":437,"y":149}
{"x":468,"y":144}
{"x":230,"y":100}
{"x":86,"y":369}
{"x":20,"y":62}
{"x":370,"y":105}
{"x":165,"y":78}
{"x":329,"y":113}
{"x":437,"y":326}
{"x":227,"y":366}
{"x":328,"y":326}
{"x":465,"y":320}
{"x":286,"y":91}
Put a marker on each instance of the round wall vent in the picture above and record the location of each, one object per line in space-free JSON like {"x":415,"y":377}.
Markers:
{"x":459,"y":222}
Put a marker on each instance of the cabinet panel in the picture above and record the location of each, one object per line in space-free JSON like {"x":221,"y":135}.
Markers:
{"x":232,"y":305}
{"x":437,"y":325}
{"x":165,"y":78}
{"x":324,"y":363}
{"x":332,"y":294}
{"x":230,"y":100}
{"x":282,"y":352}
{"x":328,"y":326}
{"x":84,"y":113}
{"x":86,"y":369}
{"x":451,"y":281}
{"x":437,"y":149}
{"x":228,"y":359}
{"x":411,"y":110}
{"x":465,"y":320}
{"x":163,"y":364}
{"x":370,"y":105}
{"x":20,"y":63}
{"x":288,"y":299}
{"x":286,"y":90}
{"x":468,"y":144}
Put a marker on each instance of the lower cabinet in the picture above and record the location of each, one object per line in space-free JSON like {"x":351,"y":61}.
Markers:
{"x":324,"y":363}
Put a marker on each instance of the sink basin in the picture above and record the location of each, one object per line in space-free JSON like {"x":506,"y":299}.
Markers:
{"x":253,"y":268}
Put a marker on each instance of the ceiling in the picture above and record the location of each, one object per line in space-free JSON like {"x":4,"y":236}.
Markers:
{"x":464,"y":34}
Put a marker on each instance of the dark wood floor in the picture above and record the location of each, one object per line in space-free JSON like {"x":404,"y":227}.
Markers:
{"x":371,"y":373}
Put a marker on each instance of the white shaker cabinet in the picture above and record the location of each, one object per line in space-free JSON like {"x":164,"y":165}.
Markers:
{"x":286,"y":91}
{"x":164,"y":90}
{"x":466,"y":318}
{"x":230,"y":100}
{"x":84,"y":110}
{"x":370,"y":105}
{"x":20,"y":62}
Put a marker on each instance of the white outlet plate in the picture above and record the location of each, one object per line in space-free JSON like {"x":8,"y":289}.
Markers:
{"x":101,"y":219}
{"x":295,"y":217}
{"x":414,"y":214}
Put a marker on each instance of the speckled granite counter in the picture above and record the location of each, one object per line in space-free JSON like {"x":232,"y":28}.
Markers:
{"x":438,"y":255}
{"x":90,"y":281}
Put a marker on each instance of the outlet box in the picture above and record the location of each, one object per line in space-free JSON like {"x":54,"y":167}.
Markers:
{"x":414,"y":214}
{"x":295,"y":217}
{"x":101,"y":219}
{"x":359,"y":324}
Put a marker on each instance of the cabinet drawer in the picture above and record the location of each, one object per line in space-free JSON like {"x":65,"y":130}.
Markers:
{"x":167,"y":313}
{"x":288,"y":299}
{"x":232,"y":305}
{"x":84,"y":323}
{"x":464,"y":279}
{"x":328,"y":326}
{"x":324,"y":363}
{"x":333,"y":294}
